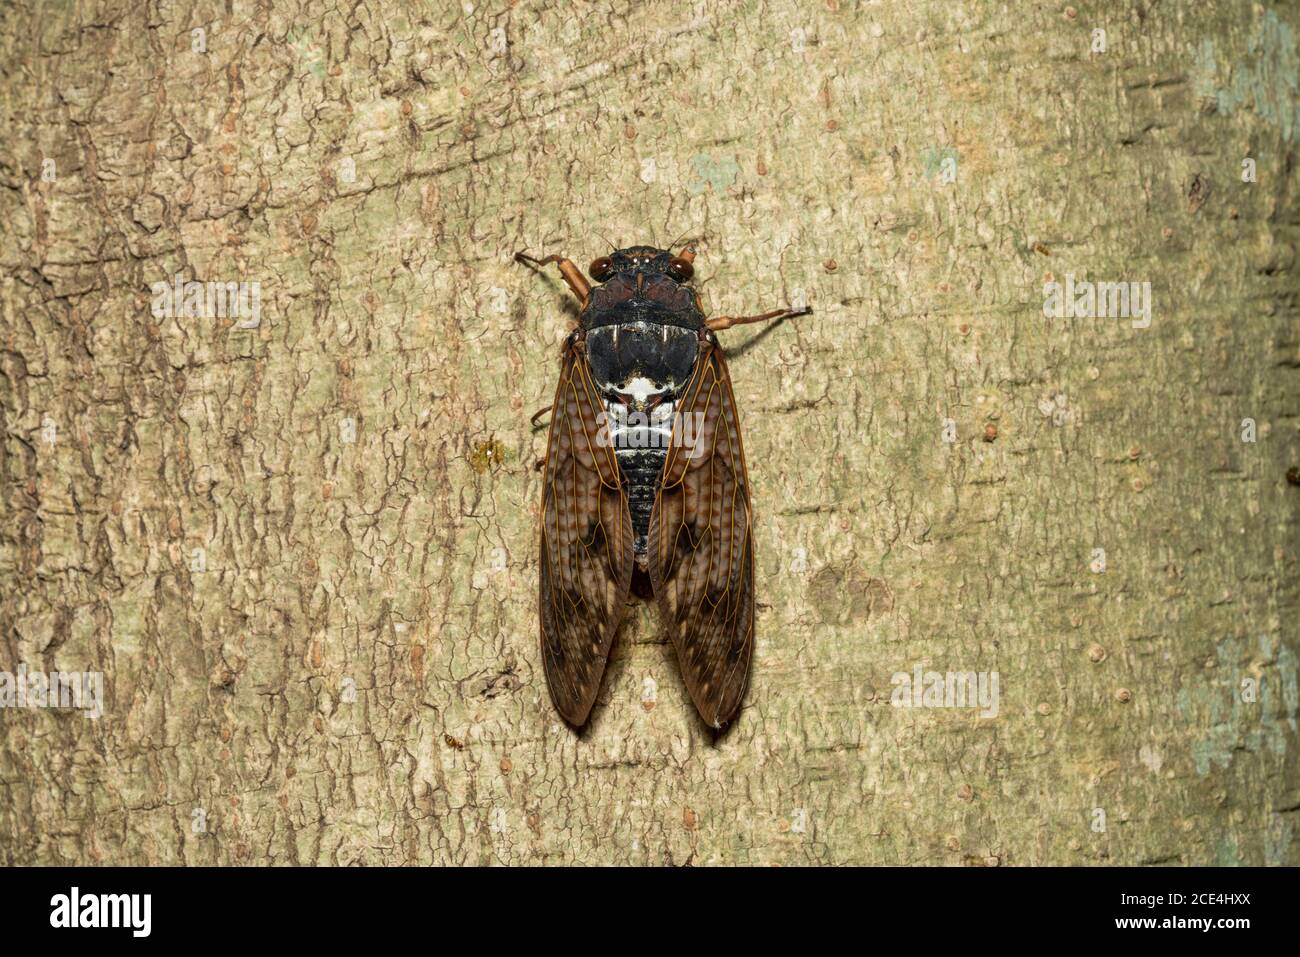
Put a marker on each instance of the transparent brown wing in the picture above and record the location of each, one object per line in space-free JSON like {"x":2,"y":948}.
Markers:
{"x":700,"y":549}
{"x":586,"y":552}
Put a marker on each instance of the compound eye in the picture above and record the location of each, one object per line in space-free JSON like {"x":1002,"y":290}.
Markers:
{"x":680,"y":269}
{"x":601,"y":269}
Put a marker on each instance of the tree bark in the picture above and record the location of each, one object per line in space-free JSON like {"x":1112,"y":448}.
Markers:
{"x":302,"y":551}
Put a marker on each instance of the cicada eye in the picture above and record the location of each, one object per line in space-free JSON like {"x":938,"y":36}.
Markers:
{"x":601,"y":269}
{"x":680,"y":269}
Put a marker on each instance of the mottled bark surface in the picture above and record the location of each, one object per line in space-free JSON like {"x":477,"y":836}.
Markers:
{"x":304,"y":554}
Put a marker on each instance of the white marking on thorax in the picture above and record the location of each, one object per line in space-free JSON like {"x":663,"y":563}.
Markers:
{"x":640,"y":389}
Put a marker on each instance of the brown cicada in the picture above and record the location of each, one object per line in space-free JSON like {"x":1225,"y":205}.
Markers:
{"x":645,"y":490}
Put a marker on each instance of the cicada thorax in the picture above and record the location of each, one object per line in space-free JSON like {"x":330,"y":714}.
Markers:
{"x":642,"y":340}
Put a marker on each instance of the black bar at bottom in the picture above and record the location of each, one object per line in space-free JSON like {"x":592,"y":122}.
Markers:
{"x":336,"y":906}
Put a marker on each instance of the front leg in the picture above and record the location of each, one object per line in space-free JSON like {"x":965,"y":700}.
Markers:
{"x":718,"y":323}
{"x":568,"y":269}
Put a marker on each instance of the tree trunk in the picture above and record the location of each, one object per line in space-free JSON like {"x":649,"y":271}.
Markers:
{"x":300,"y":543}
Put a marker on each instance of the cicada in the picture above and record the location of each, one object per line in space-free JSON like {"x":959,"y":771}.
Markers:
{"x":645,"y":490}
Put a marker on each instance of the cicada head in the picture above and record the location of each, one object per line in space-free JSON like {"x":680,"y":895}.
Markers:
{"x":643,"y":284}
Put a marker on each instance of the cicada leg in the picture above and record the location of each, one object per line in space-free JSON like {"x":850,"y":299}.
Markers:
{"x":568,"y":269}
{"x":718,"y":323}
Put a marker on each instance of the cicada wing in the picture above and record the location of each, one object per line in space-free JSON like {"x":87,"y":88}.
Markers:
{"x":701,"y":553}
{"x":586,"y":557}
